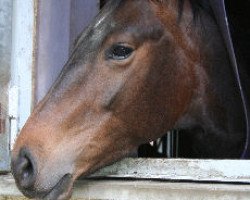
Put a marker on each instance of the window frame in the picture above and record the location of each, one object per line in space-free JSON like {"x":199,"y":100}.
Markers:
{"x":22,"y":64}
{"x":5,"y":48}
{"x":194,"y":170}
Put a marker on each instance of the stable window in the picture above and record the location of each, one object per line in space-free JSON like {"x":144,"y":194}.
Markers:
{"x":57,"y":24}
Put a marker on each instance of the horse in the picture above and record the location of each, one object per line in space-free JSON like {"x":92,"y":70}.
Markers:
{"x":141,"y":68}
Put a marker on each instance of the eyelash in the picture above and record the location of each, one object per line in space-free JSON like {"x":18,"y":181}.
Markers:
{"x":119,"y":52}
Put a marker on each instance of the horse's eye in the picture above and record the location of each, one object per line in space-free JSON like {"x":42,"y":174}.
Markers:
{"x":119,"y":52}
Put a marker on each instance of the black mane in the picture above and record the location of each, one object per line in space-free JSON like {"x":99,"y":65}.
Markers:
{"x":197,"y":6}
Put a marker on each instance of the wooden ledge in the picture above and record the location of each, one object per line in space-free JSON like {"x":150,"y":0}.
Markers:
{"x":156,"y":179}
{"x":199,"y":170}
{"x":136,"y":190}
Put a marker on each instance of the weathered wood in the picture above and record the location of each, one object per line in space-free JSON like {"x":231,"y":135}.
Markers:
{"x":156,"y":179}
{"x":146,"y":190}
{"x":180,"y":169}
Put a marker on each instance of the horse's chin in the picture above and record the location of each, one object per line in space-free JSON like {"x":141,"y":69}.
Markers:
{"x":62,"y":190}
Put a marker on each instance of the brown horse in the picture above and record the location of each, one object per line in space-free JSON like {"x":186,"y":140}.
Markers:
{"x":141,"y":68}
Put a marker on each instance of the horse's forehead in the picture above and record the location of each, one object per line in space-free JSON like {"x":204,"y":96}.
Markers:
{"x":117,"y":16}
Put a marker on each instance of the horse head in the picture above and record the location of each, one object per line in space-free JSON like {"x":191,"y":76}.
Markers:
{"x":131,"y":76}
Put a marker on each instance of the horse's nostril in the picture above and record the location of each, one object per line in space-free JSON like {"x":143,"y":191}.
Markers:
{"x":24,"y":169}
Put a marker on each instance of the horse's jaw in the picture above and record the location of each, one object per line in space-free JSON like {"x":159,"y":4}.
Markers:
{"x":57,"y":167}
{"x":62,"y":190}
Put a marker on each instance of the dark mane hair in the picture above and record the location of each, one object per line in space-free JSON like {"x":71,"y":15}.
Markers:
{"x":197,"y":5}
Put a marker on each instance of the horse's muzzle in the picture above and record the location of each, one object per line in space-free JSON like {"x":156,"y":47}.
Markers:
{"x":24,"y":170}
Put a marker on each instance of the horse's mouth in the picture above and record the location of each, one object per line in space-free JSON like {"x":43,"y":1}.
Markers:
{"x":62,"y":190}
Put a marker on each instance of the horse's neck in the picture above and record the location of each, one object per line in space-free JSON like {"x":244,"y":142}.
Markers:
{"x":216,"y":108}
